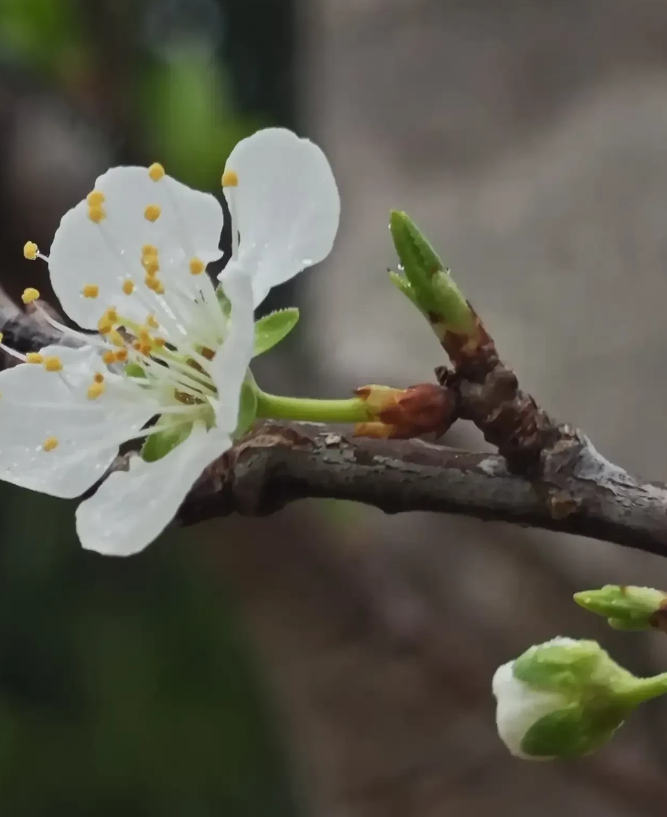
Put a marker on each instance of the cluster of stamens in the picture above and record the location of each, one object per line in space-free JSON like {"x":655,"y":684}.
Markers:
{"x":163,"y":361}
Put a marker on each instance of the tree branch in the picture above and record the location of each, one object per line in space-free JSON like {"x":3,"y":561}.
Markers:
{"x":547,"y":475}
{"x":579,"y":493}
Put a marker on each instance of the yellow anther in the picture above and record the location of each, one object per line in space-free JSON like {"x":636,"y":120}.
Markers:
{"x":111,"y":315}
{"x":229,"y":178}
{"x":152,"y":212}
{"x":29,"y":295}
{"x":160,"y":342}
{"x":160,"y":288}
{"x":197,"y":266}
{"x":30,"y":250}
{"x":53,"y":363}
{"x":95,"y":199}
{"x":121,"y":355}
{"x":98,"y":377}
{"x":116,"y":338}
{"x":50,"y":443}
{"x":96,"y":213}
{"x":136,"y":346}
{"x":128,"y":286}
{"x":145,"y":348}
{"x":156,"y":171}
{"x":150,"y":264}
{"x":150,"y":320}
{"x":34,"y":357}
{"x":95,"y":390}
{"x":153,"y":283}
{"x":144,"y":336}
{"x":90,"y":291}
{"x":104,"y":326}
{"x":109,"y":357}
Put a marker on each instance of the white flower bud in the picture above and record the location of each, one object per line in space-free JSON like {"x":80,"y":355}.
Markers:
{"x":565,"y":698}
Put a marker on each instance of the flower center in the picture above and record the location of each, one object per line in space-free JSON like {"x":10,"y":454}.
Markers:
{"x":165,"y":342}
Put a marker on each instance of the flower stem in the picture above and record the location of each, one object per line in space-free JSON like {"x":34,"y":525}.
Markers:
{"x":644,"y":689}
{"x":275,"y":407}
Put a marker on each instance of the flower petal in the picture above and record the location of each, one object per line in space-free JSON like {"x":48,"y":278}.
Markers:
{"x":230,"y":364}
{"x":519,"y":707}
{"x":36,"y":405}
{"x":286,"y":206}
{"x":107,"y":253}
{"x":131,"y":508}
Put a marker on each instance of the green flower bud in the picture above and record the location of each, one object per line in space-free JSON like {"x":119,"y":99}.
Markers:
{"x":626,"y":608}
{"x":565,"y":698}
{"x":427,"y":282}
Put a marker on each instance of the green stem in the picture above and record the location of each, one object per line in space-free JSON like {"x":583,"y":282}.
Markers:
{"x":276,"y":407}
{"x":644,"y":689}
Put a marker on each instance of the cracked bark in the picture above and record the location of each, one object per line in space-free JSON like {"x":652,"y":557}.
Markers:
{"x":579,"y":492}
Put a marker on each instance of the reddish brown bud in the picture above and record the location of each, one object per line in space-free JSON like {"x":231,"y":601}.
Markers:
{"x":376,"y":431}
{"x":404,"y":413}
{"x":475,"y":348}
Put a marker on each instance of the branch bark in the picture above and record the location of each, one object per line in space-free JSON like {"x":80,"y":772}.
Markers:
{"x":579,"y":491}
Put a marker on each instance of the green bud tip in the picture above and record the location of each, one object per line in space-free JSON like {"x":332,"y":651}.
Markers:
{"x":625,"y":607}
{"x":426,"y":280}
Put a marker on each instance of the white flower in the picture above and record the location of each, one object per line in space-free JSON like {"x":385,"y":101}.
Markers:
{"x":130,"y":262}
{"x":519,"y":707}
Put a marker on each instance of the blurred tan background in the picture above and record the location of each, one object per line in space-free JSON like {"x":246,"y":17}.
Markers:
{"x":529,"y":139}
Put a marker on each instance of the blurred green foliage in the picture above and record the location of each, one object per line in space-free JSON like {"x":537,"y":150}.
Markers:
{"x":45,"y":33}
{"x":127,"y":686}
{"x":186,"y":109}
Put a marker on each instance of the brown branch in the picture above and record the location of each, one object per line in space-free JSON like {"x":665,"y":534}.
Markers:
{"x":547,"y":475}
{"x":583,"y":494}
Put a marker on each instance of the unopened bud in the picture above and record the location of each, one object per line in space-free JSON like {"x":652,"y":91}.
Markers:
{"x":627,"y":607}
{"x":404,"y":413}
{"x":428,"y":283}
{"x":566,"y":698}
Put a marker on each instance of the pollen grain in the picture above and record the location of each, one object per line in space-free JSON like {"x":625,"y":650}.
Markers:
{"x":50,"y":443}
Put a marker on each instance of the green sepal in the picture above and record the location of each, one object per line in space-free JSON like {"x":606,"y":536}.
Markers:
{"x":570,"y":668}
{"x":457,"y":316}
{"x":158,"y":445}
{"x":223,"y":301}
{"x":413,"y":248}
{"x":402,"y":283}
{"x":574,"y":731}
{"x":273,"y":328}
{"x":247,"y":409}
{"x":432,"y":288}
{"x":134,"y":370}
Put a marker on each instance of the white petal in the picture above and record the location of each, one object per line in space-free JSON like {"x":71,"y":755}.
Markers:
{"x":36,"y":405}
{"x":131,"y":508}
{"x":230,"y":364}
{"x":286,"y":204}
{"x":519,"y":707}
{"x":107,"y":253}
